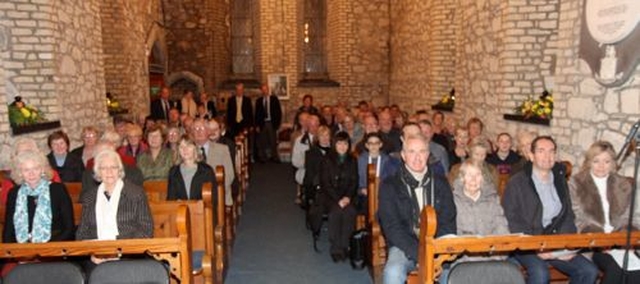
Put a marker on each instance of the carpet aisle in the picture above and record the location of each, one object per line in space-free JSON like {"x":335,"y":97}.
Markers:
{"x":272,"y":244}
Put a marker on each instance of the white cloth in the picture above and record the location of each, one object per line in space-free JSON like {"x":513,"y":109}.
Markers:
{"x":238,"y":109}
{"x":107,"y":211}
{"x":601,"y":184}
{"x":189,"y":107}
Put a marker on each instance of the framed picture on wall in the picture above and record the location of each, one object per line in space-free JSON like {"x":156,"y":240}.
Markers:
{"x":279,"y":85}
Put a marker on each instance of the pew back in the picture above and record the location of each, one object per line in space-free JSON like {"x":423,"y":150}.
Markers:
{"x":156,"y":190}
{"x":175,"y":249}
{"x":434,"y":252}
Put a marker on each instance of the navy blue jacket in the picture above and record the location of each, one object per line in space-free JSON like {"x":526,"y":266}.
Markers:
{"x":394,"y":212}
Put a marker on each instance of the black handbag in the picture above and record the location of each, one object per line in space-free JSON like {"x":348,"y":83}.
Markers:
{"x":360,"y":246}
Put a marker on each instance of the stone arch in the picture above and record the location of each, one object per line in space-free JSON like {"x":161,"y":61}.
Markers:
{"x":176,"y":79}
{"x":156,"y":48}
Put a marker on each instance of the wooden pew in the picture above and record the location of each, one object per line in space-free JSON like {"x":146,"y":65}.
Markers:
{"x":378,"y":244}
{"x":156,"y":190}
{"x":222,"y":243}
{"x":201,"y":215}
{"x":433,"y":252}
{"x":74,"y":189}
{"x":205,"y":237}
{"x":174,"y":249}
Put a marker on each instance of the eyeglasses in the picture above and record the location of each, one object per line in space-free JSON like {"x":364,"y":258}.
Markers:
{"x":108,"y":168}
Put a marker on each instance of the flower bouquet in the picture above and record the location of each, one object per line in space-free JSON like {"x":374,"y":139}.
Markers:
{"x":447,"y":102}
{"x":541,"y":108}
{"x":21,"y":114}
{"x":113,"y":105}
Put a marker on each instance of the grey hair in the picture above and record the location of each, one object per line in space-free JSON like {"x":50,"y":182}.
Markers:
{"x":100,"y":157}
{"x":33,"y":156}
{"x":110,"y":136}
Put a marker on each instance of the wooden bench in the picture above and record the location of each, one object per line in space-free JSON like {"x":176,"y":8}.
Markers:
{"x":434,"y":252}
{"x":174,"y":249}
{"x":74,"y":189}
{"x":156,"y":190}
{"x":378,"y":244}
{"x":207,"y":233}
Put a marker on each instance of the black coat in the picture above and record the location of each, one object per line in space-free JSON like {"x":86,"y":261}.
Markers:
{"x":234,"y":127}
{"x":176,"y":187}
{"x":395,"y":213}
{"x":71,"y":170}
{"x":62,"y":225}
{"x":157,"y":112}
{"x":523,"y":208}
{"x":338,"y":180}
{"x":275,"y":111}
{"x":312,"y":162}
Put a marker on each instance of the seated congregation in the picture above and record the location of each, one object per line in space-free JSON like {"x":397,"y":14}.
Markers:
{"x":379,"y":169}
{"x":168,"y":193}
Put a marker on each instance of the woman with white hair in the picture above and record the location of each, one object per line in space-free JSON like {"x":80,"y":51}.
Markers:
{"x":117,"y":208}
{"x":37,"y":210}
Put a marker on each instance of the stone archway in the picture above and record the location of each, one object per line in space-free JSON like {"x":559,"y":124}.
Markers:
{"x":183,"y":80}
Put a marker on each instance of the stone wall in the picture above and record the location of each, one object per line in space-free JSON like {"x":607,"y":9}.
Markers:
{"x":423,"y":52}
{"x":506,"y":51}
{"x":587,"y":110}
{"x":190,"y":38}
{"x":79,"y":69}
{"x":357,"y":49}
{"x":126,"y":26}
{"x":50,"y":54}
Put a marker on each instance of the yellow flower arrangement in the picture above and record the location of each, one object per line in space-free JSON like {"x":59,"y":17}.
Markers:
{"x":448,"y":100}
{"x":21,"y":114}
{"x":540,"y":108}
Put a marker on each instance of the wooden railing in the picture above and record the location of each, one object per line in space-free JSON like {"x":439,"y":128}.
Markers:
{"x":174,"y":250}
{"x":434,"y":252}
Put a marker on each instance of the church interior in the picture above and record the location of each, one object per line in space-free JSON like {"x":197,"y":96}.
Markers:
{"x":491,"y":57}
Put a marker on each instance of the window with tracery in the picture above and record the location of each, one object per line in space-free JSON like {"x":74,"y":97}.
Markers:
{"x":242,"y":37}
{"x":314,"y":39}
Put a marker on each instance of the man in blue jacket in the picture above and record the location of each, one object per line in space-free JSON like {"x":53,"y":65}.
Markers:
{"x":401,"y":199}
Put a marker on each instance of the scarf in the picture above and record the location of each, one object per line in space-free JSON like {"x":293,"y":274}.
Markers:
{"x":412,"y":184}
{"x":41,"y":231}
{"x":107,"y":211}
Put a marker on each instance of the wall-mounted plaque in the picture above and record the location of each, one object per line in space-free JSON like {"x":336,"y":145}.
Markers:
{"x":609,"y":39}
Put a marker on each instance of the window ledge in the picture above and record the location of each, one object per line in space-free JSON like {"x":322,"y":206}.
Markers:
{"x":24,"y":129}
{"x":531,"y":120}
{"x":318,"y":83}
{"x":248,"y":84}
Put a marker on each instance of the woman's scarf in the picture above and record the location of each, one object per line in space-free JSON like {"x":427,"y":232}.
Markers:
{"x":107,"y":211}
{"x":41,"y":228}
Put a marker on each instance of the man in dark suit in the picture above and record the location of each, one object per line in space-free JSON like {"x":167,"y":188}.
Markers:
{"x":209,"y":105}
{"x":239,"y":112}
{"x":160,"y":107}
{"x":268,"y":119}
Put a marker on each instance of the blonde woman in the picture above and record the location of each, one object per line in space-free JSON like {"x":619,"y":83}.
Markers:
{"x":37,"y":210}
{"x":600,"y":200}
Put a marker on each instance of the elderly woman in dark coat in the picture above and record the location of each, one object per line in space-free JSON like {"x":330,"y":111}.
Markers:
{"x":117,"y":208}
{"x":601,"y":199}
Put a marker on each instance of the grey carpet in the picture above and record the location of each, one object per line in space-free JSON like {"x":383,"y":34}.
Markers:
{"x":272,"y":244}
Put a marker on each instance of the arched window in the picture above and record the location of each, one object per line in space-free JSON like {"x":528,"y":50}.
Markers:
{"x":314,"y":40}
{"x":242,"y":48}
